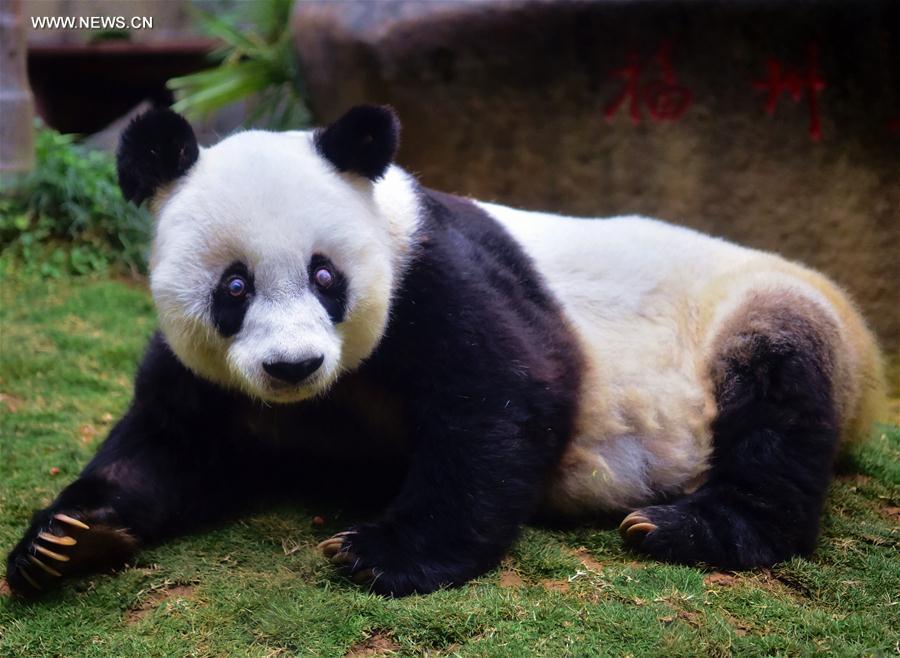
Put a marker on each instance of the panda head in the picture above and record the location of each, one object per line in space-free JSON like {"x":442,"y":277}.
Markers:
{"x":271,"y":267}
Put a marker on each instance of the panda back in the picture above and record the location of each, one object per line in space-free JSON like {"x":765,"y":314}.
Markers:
{"x":647,"y":301}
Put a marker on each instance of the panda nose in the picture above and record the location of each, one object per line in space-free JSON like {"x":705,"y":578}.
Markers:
{"x":293,"y":372}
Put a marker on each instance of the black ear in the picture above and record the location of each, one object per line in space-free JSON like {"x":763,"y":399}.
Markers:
{"x":363,"y":141}
{"x":157,"y":147}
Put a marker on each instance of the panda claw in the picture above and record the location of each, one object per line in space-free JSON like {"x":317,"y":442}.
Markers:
{"x":59,"y":557}
{"x":344,"y":558}
{"x":634,"y":517}
{"x":363,"y":577}
{"x":331,"y":547}
{"x":635,"y":527}
{"x":65,"y":518}
{"x":31,"y":581}
{"x":335,"y":544}
{"x":642,"y":528}
{"x":60,"y":540}
{"x":47,"y":568}
{"x":631,"y":519}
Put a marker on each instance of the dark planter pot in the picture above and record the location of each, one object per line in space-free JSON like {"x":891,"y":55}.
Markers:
{"x":83,"y":88}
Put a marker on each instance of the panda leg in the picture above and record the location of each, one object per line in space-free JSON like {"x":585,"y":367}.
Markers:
{"x":143,"y":486}
{"x":775,"y":437}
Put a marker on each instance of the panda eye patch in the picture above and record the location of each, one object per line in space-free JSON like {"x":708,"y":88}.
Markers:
{"x":231,"y":298}
{"x":329,"y":286}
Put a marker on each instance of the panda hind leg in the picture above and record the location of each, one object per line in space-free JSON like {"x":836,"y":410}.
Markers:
{"x":775,"y":437}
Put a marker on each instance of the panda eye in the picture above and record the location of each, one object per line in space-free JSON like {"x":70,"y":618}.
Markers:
{"x":329,"y":285}
{"x":323,"y":277}
{"x":236,"y":286}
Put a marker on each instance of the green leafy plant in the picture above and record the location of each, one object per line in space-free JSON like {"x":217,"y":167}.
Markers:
{"x":256,"y":61}
{"x":68,"y":215}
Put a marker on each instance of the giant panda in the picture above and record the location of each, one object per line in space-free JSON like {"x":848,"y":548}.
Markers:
{"x":326,"y":321}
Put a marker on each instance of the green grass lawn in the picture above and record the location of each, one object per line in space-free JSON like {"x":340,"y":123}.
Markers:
{"x":257,"y":587}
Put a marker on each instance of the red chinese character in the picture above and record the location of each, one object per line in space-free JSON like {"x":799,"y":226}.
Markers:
{"x":797,"y":83}
{"x":664,"y":98}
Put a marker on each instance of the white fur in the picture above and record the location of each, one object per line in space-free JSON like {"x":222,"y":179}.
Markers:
{"x":645,"y":299}
{"x":271,"y":201}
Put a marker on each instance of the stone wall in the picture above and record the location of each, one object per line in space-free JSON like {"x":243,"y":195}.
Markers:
{"x":776,"y":124}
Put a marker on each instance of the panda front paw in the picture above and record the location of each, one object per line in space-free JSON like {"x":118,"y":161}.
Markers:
{"x":63,"y":544}
{"x":374,"y":558}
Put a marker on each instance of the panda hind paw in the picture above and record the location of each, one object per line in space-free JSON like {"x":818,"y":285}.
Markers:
{"x":635,"y":527}
{"x":669,"y":533}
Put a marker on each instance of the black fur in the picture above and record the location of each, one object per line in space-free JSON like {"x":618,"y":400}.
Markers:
{"x":228,"y":311}
{"x":489,"y":373}
{"x":486,"y":375}
{"x":363,"y":141}
{"x":775,"y":438}
{"x":156,"y":148}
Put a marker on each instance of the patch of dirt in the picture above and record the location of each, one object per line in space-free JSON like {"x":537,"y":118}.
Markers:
{"x":11,"y":402}
{"x":509,"y":578}
{"x":855,"y":478}
{"x":721,"y":579}
{"x":763,"y":579}
{"x":561,"y":586}
{"x":892,"y":514}
{"x":782,"y":584}
{"x":150,"y":604}
{"x":589,"y":561}
{"x":378,"y":644}
{"x":87,"y":434}
{"x":694,"y":619}
{"x":741,"y":628}
{"x":4,"y":588}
